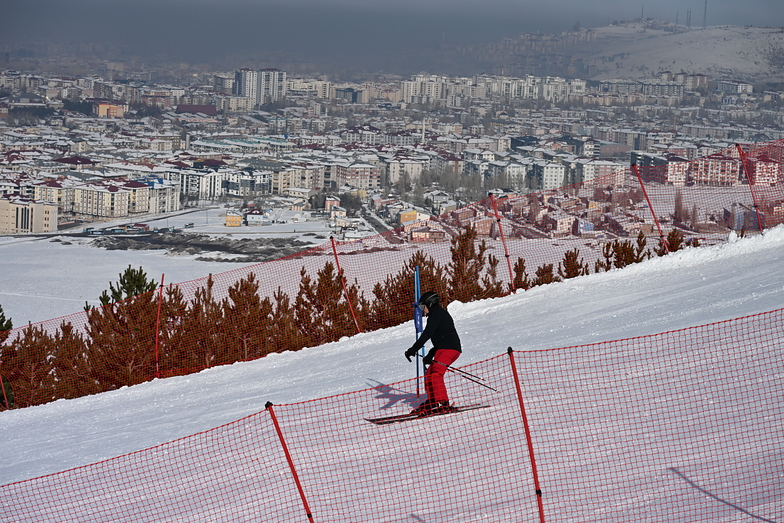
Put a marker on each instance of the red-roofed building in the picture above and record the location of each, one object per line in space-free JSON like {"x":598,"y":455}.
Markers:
{"x":209,"y":110}
{"x":75,"y":162}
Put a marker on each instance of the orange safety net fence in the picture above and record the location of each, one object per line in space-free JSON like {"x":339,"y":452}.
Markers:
{"x":499,"y":245}
{"x":679,"y":426}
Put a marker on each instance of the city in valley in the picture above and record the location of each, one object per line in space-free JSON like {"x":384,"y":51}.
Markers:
{"x":127,"y":144}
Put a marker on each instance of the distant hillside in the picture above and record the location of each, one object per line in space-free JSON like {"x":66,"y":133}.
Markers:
{"x":630,"y":50}
{"x":639,"y":50}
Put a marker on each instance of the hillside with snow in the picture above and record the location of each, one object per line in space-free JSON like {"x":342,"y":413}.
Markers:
{"x":688,"y":288}
{"x":641,"y":50}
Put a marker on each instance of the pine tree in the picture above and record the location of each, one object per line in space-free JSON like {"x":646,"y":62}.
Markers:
{"x":572,"y":266}
{"x":195,"y":341}
{"x":321,"y":310}
{"x":132,"y":282}
{"x":694,"y":219}
{"x":27,"y":364}
{"x":5,"y":326}
{"x":287,"y":336}
{"x":466,"y":267}
{"x":620,"y":253}
{"x":72,"y":368}
{"x":607,"y":253}
{"x":545,"y":275}
{"x":122,"y":341}
{"x":173,"y":310}
{"x":674,"y":243}
{"x":641,"y":254}
{"x":521,"y":280}
{"x":247,"y":322}
{"x":492,"y":287}
{"x":679,"y":215}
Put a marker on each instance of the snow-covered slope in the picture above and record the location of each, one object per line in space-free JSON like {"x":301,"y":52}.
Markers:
{"x":639,"y":50}
{"x":687,"y":288}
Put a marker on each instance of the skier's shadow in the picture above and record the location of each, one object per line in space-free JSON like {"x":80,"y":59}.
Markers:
{"x":708,"y":493}
{"x":393,"y":396}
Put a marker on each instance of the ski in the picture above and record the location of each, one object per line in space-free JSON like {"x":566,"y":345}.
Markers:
{"x":409,"y":417}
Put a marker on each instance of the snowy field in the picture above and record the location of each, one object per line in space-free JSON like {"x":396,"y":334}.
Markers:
{"x":688,"y":288}
{"x":48,"y":277}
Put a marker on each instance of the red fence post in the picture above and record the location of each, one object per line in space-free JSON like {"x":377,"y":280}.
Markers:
{"x":6,"y":394}
{"x":653,"y":211}
{"x":268,"y":406}
{"x":343,"y":281}
{"x":158,"y":329}
{"x":747,"y":169}
{"x":503,"y":240}
{"x":527,"y":435}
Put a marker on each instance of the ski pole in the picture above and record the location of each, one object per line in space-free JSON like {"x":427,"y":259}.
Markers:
{"x":461,"y":371}
{"x":464,"y":375}
{"x":455,"y":369}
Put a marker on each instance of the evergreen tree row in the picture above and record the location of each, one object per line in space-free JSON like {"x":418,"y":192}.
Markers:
{"x":142,"y":332}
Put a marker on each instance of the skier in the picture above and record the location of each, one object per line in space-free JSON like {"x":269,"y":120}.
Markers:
{"x":446,"y":349}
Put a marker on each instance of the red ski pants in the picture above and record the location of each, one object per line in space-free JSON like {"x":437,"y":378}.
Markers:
{"x":434,"y":376}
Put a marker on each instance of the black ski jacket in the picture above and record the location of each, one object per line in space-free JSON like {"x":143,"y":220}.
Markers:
{"x":440,"y":330}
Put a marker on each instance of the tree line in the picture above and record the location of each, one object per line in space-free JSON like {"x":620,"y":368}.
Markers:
{"x":143,"y":331}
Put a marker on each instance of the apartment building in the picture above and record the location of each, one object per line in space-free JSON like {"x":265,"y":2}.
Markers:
{"x":424,"y":89}
{"x":234,"y":104}
{"x":306,"y":174}
{"x":677,"y":170}
{"x":138,"y":198}
{"x":282,"y":179}
{"x":246,"y":84}
{"x":733,"y":86}
{"x":198,"y":184}
{"x":548,"y":175}
{"x":109,"y":110}
{"x":764,"y":171}
{"x":400,"y":166}
{"x":164,"y":196}
{"x":692,"y":82}
{"x":360,"y":175}
{"x":665,"y":168}
{"x":59,"y":192}
{"x":514,"y":174}
{"x":223,"y":83}
{"x":19,"y":215}
{"x":550,"y":88}
{"x":100,"y":200}
{"x":716,"y":170}
{"x":272,"y":86}
{"x":308,"y":88}
{"x":263,"y":86}
{"x":362,"y":134}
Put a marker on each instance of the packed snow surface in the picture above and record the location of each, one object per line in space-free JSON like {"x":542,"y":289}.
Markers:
{"x":688,"y":288}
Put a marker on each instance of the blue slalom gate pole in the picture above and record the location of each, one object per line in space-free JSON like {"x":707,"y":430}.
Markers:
{"x":417,"y":321}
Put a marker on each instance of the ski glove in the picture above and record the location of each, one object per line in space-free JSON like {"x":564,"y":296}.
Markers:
{"x":410,"y":353}
{"x":427,"y":360}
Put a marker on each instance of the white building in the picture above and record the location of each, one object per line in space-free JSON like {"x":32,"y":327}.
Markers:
{"x":397,"y":167}
{"x":271,"y":86}
{"x":550,"y":175}
{"x":246,"y":83}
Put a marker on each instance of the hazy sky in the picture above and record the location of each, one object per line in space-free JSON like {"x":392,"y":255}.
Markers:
{"x":367,"y":32}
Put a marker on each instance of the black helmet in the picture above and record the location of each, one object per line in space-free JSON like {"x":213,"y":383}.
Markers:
{"x":428,"y":299}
